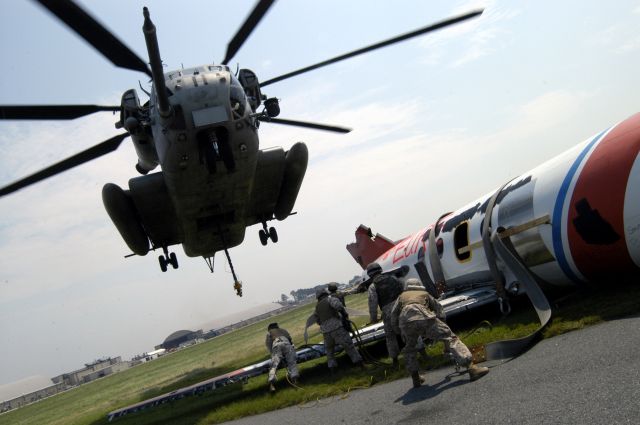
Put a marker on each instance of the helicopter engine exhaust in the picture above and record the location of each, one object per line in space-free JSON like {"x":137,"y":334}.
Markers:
{"x":295,"y":166}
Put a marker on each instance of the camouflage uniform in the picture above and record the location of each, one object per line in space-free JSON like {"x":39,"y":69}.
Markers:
{"x":333,"y":292}
{"x":280,"y":346}
{"x":383,"y":291}
{"x":328,"y":314}
{"x":417,"y":314}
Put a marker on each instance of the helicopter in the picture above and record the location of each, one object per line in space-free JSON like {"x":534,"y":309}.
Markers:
{"x":200,"y":126}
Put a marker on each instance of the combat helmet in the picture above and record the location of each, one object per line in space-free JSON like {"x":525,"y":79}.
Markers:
{"x":373,"y":269}
{"x":321,"y":292}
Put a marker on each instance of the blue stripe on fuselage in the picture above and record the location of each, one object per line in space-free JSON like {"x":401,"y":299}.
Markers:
{"x":556,"y":223}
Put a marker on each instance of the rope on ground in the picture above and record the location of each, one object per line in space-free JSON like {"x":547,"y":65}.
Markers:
{"x":483,"y":324}
{"x":341,"y":395}
{"x":294,"y":385}
{"x":363,"y":351}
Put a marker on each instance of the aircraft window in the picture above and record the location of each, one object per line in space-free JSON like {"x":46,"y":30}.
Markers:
{"x":238,"y":98}
{"x":461,"y":240}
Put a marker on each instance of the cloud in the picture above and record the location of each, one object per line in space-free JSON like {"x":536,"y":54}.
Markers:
{"x":474,"y":39}
{"x":619,"y":38}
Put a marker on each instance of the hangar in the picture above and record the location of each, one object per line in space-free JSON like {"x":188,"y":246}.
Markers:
{"x":177,"y":338}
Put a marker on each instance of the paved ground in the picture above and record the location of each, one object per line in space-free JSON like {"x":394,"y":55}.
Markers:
{"x":588,"y":376}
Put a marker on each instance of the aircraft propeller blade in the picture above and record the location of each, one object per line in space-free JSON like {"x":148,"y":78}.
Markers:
{"x":50,"y":112}
{"x":406,"y":36}
{"x":85,"y":156}
{"x":246,"y":29}
{"x":95,"y":34}
{"x":305,"y":124}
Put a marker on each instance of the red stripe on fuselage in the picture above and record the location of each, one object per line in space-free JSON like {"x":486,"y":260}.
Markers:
{"x":602,"y":183}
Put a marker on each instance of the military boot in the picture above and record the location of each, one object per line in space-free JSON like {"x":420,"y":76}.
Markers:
{"x":417,"y":379}
{"x":476,"y":372}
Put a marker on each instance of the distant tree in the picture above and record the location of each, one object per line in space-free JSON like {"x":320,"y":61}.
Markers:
{"x":355,"y":280}
{"x":284,"y":298}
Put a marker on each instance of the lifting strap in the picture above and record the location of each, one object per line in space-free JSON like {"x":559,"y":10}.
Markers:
{"x":513,"y":347}
{"x":491,"y":255}
{"x":434,"y":259}
{"x":502,"y":247}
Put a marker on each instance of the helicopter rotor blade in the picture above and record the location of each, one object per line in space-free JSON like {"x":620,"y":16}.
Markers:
{"x":313,"y":125}
{"x":246,"y":29}
{"x":85,"y":156}
{"x":406,"y":36}
{"x":95,"y":34}
{"x":50,"y":112}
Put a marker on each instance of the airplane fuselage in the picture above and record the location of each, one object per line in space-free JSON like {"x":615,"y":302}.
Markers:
{"x":573,"y":219}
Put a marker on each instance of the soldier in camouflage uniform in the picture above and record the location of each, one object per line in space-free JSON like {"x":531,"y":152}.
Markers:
{"x":417,"y":314}
{"x":333,"y":292}
{"x":383,"y":292}
{"x":328,"y":314}
{"x":281,"y":347}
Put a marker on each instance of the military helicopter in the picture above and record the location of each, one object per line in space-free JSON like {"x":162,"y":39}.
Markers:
{"x":200,"y":125}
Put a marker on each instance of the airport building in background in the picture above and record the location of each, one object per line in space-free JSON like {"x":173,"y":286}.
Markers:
{"x":90,"y":372}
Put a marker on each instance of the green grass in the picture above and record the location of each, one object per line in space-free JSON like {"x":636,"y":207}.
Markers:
{"x":90,"y":403}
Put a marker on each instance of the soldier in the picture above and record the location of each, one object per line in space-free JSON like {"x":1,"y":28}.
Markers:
{"x":281,"y":347}
{"x":333,"y":292}
{"x":328,"y":314}
{"x":383,"y":291}
{"x":416,"y":313}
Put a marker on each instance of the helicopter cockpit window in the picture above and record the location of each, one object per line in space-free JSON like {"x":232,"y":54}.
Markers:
{"x":238,"y":98}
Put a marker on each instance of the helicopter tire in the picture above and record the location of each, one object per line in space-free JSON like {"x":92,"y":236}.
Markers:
{"x":163,"y":263}
{"x":264,"y":238}
{"x":173,"y":260}
{"x":273,"y":235}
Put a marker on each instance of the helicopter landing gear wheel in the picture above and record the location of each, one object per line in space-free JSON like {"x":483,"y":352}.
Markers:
{"x":264,"y":237}
{"x":166,"y":259}
{"x":173,"y":260}
{"x":163,"y":263}
{"x":266,"y":234}
{"x":273,"y":235}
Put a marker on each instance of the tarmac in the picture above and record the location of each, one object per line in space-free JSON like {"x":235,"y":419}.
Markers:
{"x":587,"y":376}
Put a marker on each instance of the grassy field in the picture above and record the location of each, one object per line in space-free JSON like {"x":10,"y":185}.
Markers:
{"x":90,"y":403}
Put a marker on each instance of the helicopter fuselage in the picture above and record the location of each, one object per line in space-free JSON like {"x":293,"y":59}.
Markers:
{"x":214,"y":180}
{"x":208,"y":152}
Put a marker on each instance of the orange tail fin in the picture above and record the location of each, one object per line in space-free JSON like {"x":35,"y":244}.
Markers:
{"x":368,"y":247}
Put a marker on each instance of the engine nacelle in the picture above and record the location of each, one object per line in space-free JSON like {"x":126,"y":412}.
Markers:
{"x":295,"y":166}
{"x":132,"y":119}
{"x":122,"y":211}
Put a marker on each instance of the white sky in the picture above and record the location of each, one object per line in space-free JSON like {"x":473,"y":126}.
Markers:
{"x":438,"y":121}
